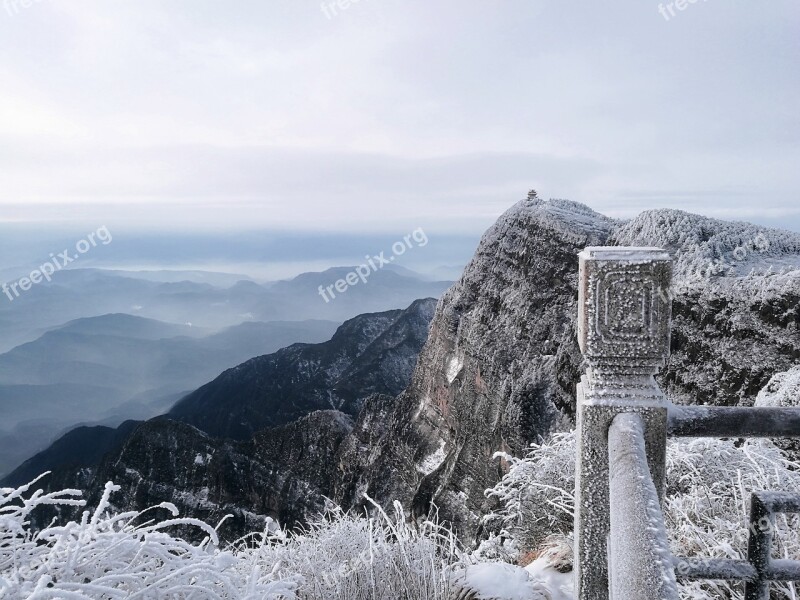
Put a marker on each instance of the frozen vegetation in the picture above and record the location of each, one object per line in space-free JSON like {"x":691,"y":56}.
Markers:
{"x":339,"y":557}
{"x":783,"y":390}
{"x":133,"y":555}
{"x":107,"y":554}
{"x":497,"y":372}
{"x":709,"y":482}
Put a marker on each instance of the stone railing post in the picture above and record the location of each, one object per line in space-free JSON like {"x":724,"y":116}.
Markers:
{"x":624,"y":313}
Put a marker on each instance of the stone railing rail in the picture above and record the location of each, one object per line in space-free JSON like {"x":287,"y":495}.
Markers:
{"x":621,"y":546}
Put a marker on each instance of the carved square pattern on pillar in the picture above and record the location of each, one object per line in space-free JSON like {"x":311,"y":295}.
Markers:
{"x":627,"y":308}
{"x":626,"y":312}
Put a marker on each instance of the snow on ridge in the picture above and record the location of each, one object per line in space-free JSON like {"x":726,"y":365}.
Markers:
{"x":696,"y":242}
{"x":783,"y":390}
{"x":560,"y":214}
{"x":454,"y":367}
{"x":433,"y":461}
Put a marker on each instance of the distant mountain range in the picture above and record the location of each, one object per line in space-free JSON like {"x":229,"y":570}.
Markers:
{"x":100,"y":347}
{"x":269,"y":417}
{"x":78,"y":293}
{"x":114,"y":367}
{"x":370,"y":354}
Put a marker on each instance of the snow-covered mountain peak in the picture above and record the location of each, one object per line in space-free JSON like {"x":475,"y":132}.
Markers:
{"x":700,"y":244}
{"x":558,"y":214}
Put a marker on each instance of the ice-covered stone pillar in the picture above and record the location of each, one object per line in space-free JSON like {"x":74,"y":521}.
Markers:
{"x":624,"y":313}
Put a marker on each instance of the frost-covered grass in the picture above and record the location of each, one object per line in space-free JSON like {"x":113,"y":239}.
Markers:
{"x":343,"y":557}
{"x":709,"y":482}
{"x":133,"y":555}
{"x":125,"y":555}
{"x":707,"y":509}
{"x":347,"y":557}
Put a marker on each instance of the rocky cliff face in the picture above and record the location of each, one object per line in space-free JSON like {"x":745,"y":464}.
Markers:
{"x":282,"y":472}
{"x":369,"y":354}
{"x":255,"y":442}
{"x":500,"y":366}
{"x":498,"y":371}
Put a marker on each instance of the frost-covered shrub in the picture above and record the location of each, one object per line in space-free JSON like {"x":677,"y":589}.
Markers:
{"x":709,"y":482}
{"x":709,"y":486}
{"x":132,"y":555}
{"x":351,"y":558}
{"x":536,"y":498}
{"x":704,"y":247}
{"x":783,"y":390}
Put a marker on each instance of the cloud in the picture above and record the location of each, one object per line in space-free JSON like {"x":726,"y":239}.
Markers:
{"x":393,"y":110}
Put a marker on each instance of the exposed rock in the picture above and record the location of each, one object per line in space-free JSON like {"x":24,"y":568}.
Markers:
{"x":284,"y":472}
{"x":500,"y":366}
{"x":369,"y":354}
{"x":497,"y":372}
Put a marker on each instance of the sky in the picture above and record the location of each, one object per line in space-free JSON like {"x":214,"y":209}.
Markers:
{"x":388,"y":115}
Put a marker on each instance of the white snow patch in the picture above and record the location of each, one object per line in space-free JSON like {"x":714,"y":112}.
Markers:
{"x":501,"y":581}
{"x":454,"y":366}
{"x":426,"y":399}
{"x":783,"y":390}
{"x":433,"y":461}
{"x":496,"y":580}
{"x":560,"y":586}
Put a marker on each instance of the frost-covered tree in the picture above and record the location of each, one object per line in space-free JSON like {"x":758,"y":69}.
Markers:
{"x":709,"y":482}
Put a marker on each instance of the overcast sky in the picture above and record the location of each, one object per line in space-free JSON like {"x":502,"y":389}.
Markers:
{"x":394,"y":114}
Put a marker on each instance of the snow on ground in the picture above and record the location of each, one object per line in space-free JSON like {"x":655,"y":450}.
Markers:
{"x":496,"y":581}
{"x":502,"y":581}
{"x":559,"y":585}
